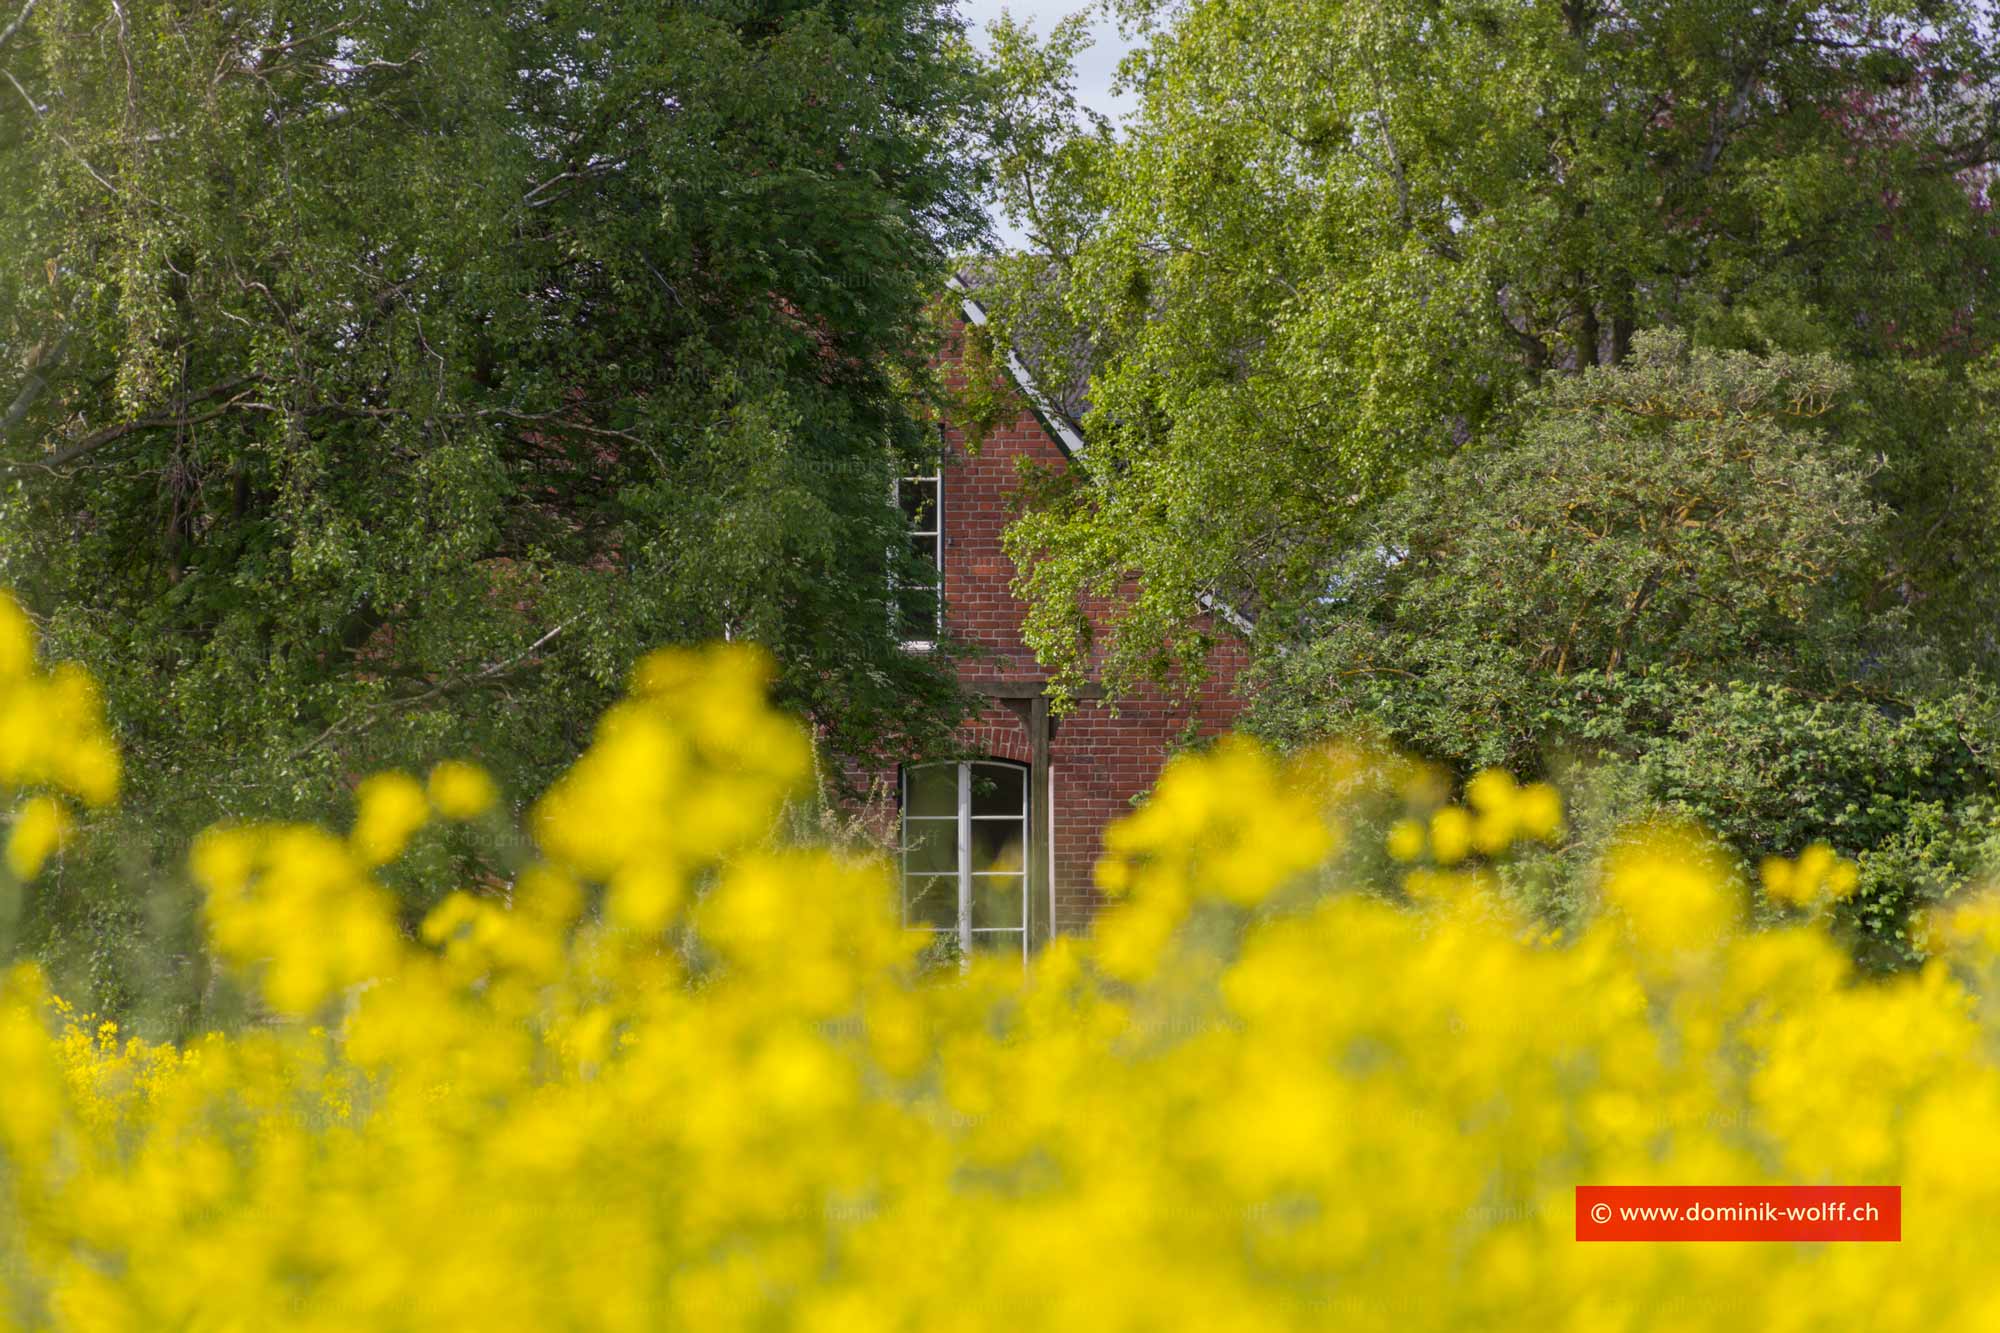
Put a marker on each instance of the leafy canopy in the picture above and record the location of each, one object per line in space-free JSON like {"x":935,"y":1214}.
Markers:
{"x":1658,"y":574}
{"x":382,"y":379}
{"x":1340,"y":237}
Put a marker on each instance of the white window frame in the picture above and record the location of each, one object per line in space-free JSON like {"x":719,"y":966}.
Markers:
{"x":965,"y":819}
{"x":936,"y":533}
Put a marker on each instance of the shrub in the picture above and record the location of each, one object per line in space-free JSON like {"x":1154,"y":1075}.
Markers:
{"x":1671,"y":570}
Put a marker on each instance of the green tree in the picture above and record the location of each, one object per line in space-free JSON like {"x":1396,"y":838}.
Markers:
{"x":1340,"y":237}
{"x":385,"y":378}
{"x":1656,"y":577}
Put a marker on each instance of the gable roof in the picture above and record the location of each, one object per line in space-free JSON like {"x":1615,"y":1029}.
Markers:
{"x":1059,"y":418}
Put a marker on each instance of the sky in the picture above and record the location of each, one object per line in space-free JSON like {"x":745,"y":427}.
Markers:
{"x":1094,"y":70}
{"x":1093,"y":75}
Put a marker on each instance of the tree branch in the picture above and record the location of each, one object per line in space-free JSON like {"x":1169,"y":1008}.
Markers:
{"x":456,"y":685}
{"x":7,"y":33}
{"x":1536,"y":351}
{"x":91,"y":443}
{"x":38,"y":383}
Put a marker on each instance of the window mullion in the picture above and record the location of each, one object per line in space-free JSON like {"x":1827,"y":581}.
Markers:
{"x":965,"y":858}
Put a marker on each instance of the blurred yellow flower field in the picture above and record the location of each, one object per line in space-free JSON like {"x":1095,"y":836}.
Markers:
{"x":687,"y":1077}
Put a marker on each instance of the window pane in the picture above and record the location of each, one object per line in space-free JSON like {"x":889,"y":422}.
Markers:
{"x":997,"y":845}
{"x":933,"y":790}
{"x":999,"y":941}
{"x":917,"y":591}
{"x":917,"y":603}
{"x":918,"y":496}
{"x":997,"y":789}
{"x":931,"y":900}
{"x":999,"y":900}
{"x":995,"y":795}
{"x":930,"y":847}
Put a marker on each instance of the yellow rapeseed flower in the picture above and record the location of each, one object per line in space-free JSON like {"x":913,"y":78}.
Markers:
{"x":390,"y":808}
{"x":40,"y":828}
{"x":461,"y":791}
{"x":1490,"y":790}
{"x":17,"y":640}
{"x":1670,"y":885}
{"x":1451,"y":835}
{"x":1539,"y":809}
{"x":52,"y":727}
{"x":681,"y":1072}
{"x":1817,"y":875}
{"x":1405,"y":841}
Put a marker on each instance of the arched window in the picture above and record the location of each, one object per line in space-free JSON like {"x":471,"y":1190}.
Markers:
{"x":965,"y":852}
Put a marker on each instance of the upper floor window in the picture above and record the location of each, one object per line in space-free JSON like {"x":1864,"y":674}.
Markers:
{"x":965,"y":853}
{"x":919,"y":602}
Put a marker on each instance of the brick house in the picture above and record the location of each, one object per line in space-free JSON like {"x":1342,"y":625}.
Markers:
{"x":999,"y":846}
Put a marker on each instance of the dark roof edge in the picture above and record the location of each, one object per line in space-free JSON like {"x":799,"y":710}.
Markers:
{"x":1065,"y":435}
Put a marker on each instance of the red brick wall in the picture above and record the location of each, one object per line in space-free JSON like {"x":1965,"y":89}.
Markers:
{"x":1100,"y":760}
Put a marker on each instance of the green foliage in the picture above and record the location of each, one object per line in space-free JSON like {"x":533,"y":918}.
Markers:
{"x":382,"y":379}
{"x":1681,"y":513}
{"x":1339,"y":238}
{"x":1664,"y":576}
